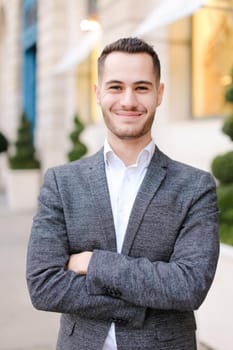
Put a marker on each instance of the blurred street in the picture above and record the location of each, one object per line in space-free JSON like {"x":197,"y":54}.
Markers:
{"x":22,"y":327}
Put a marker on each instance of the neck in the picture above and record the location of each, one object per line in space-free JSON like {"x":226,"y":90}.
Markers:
{"x":128,"y":149}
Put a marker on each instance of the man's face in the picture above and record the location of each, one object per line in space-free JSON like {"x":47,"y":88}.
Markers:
{"x":128,"y":95}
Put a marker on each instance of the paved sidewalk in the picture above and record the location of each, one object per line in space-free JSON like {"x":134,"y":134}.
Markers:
{"x":21,"y":327}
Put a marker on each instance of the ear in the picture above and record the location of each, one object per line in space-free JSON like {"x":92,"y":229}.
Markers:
{"x":97,"y":93}
{"x":160,"y":93}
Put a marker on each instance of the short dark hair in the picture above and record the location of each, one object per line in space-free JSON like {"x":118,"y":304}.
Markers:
{"x":130,"y":45}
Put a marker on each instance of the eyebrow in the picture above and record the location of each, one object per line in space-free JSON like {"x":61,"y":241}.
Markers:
{"x":144,"y":82}
{"x":139,"y":82}
{"x":113,"y":82}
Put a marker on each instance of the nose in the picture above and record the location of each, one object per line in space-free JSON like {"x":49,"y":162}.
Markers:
{"x":129,"y":99}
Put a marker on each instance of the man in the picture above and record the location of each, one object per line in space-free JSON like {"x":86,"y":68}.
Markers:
{"x":125,"y":242}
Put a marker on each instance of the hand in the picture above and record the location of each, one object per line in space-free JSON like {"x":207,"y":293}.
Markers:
{"x":78,"y":263}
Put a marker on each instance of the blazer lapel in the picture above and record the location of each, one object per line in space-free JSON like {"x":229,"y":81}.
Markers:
{"x":101,"y":200}
{"x":155,"y":174}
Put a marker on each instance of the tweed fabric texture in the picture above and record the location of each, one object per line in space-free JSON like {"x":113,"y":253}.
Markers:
{"x":164,"y":272}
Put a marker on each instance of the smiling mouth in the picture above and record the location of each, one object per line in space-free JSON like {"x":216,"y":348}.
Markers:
{"x":129,"y":114}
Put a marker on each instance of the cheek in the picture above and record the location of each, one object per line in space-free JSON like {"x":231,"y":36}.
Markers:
{"x":108,"y":101}
{"x":148,"y":100}
{"x":150,"y":103}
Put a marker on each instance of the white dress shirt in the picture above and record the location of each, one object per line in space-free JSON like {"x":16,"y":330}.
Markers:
{"x":123,"y":183}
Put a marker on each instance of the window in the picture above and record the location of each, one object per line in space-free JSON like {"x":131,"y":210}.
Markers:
{"x":29,"y":59}
{"x":212,"y":58}
{"x":3,"y":68}
{"x":91,"y":8}
{"x":86,"y":78}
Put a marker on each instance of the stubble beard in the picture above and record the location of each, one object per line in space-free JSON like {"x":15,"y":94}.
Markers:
{"x":130,"y":132}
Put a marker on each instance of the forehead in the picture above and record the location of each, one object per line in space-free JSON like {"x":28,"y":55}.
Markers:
{"x":122,"y":66}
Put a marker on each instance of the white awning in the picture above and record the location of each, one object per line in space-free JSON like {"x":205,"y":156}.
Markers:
{"x":77,"y":54}
{"x":166,"y":12}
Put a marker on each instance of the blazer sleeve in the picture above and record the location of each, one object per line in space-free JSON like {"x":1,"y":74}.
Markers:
{"x":51,"y":286}
{"x":181,"y":283}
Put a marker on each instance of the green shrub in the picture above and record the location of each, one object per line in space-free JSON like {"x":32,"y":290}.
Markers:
{"x":228,"y":126}
{"x":229,"y":95}
{"x":222,"y":168}
{"x":3,"y":143}
{"x":229,"y":91}
{"x":225,"y":202}
{"x":79,"y":149}
{"x":24,"y":157}
{"x":226,"y":234}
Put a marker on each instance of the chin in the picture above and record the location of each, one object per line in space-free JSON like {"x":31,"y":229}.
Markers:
{"x":130,"y":136}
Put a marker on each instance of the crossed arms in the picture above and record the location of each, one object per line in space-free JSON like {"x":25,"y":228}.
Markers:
{"x":105,"y":285}
{"x":79,"y":263}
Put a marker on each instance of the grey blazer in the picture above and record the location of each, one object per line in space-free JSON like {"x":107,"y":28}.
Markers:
{"x":164,"y":272}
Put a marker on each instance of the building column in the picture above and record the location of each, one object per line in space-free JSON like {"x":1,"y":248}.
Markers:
{"x":51,"y":133}
{"x":11,"y":61}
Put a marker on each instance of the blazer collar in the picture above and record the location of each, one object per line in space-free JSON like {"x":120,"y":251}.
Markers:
{"x":101,"y":200}
{"x":155,"y":175}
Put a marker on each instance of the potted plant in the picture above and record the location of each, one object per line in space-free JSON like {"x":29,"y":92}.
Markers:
{"x":3,"y":143}
{"x":3,"y":150}
{"x":78,"y":148}
{"x":214,"y":331}
{"x":23,"y":176}
{"x":222,"y":168}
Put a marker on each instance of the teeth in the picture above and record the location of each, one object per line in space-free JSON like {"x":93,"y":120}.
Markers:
{"x":129,"y":114}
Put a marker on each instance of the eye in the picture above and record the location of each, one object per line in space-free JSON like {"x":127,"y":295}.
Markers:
{"x":114,"y":87}
{"x":142,"y":88}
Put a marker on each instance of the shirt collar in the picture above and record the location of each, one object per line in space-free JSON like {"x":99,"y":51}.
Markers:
{"x":144,"y":156}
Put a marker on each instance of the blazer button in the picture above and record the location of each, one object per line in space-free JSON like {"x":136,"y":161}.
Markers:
{"x":117,"y":293}
{"x":124,"y":322}
{"x":119,"y":321}
{"x":106,"y":290}
{"x":111,"y":291}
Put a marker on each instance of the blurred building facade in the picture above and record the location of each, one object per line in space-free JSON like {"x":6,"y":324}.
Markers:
{"x":48,"y":52}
